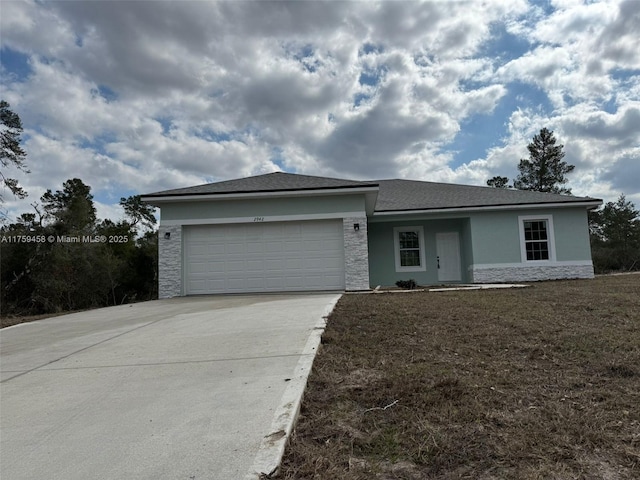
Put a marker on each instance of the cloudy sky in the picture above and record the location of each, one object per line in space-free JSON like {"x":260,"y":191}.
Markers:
{"x":135,"y":97}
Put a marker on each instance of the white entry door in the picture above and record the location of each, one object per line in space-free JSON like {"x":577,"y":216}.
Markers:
{"x":448,"y":251}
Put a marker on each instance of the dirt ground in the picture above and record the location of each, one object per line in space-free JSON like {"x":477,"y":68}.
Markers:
{"x":534,"y":383}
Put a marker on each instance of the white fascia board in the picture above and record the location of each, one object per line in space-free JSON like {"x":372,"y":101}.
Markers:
{"x":251,"y":195}
{"x":528,"y":206}
{"x":261,"y":219}
{"x":370,"y":199}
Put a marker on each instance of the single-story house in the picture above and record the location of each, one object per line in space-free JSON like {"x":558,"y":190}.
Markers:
{"x":287,"y":232}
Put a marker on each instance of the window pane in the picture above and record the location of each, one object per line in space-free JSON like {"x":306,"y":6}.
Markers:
{"x":410,"y":258}
{"x":527,"y":231}
{"x":409,"y":240}
{"x":537,"y":251}
{"x":535,"y":230}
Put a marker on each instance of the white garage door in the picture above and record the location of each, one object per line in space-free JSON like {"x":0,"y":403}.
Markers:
{"x":264,"y":257}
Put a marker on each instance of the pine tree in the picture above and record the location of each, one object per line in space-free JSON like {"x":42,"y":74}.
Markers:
{"x":544,"y":171}
{"x":11,"y":154}
{"x":71,"y":209}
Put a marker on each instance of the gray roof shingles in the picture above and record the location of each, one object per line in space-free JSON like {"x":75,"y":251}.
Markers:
{"x":403,"y":195}
{"x":394,"y":195}
{"x":270,"y":182}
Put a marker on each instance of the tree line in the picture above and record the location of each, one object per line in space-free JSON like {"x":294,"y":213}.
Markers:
{"x":614,"y":228}
{"x":60,"y":256}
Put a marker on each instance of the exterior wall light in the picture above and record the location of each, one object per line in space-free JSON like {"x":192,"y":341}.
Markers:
{"x":167,"y":235}
{"x":356,"y":227}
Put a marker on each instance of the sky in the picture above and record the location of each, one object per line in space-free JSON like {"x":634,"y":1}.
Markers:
{"x":141,"y":96}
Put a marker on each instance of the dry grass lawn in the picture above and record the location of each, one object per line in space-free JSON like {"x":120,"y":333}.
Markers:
{"x":535,"y":383}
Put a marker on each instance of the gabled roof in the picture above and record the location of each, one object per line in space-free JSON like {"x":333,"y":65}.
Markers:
{"x":270,"y":182}
{"x":407,"y":195}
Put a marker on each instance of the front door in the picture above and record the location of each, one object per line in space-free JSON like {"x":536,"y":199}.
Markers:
{"x":448,"y":251}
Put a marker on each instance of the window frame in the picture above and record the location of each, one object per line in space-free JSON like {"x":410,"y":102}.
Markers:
{"x":551,"y":243}
{"x":396,"y":241}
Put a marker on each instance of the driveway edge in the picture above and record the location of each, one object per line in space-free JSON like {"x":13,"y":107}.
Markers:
{"x":267,"y":460}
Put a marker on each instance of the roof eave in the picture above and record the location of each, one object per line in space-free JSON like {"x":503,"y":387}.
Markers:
{"x":589,"y":204}
{"x":159,"y":200}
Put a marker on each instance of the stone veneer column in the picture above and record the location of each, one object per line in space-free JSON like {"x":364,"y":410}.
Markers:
{"x":170,"y":262}
{"x":356,"y":254}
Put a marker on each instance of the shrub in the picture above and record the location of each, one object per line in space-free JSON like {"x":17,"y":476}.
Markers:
{"x":407,"y":284}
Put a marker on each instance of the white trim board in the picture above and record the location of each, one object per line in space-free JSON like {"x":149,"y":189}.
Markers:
{"x":538,"y":206}
{"x":261,"y":219}
{"x":226,"y":196}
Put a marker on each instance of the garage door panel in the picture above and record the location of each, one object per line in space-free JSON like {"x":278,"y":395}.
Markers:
{"x":315,"y":246}
{"x":274,"y":284}
{"x":293,"y":281}
{"x":273,"y":231}
{"x":294,"y":264}
{"x":284,"y":256}
{"x":293,"y":247}
{"x":255,"y":265}
{"x":198,"y":284}
{"x":273,"y":247}
{"x":200,"y":249}
{"x":273,"y":265}
{"x":313,"y":263}
{"x":198,"y":235}
{"x":215,"y":266}
{"x":255,"y":284}
{"x":255,"y":247}
{"x":313,"y":282}
{"x":213,"y":250}
{"x":291,"y":228}
{"x":333,"y":264}
{"x":235,"y":248}
{"x":197,"y":268}
{"x":216,"y":285}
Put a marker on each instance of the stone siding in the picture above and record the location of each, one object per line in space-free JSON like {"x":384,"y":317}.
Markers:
{"x":170,"y":262}
{"x":356,"y":254}
{"x":529,"y":273}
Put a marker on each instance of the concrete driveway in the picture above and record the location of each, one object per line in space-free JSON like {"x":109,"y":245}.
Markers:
{"x":186,"y":388}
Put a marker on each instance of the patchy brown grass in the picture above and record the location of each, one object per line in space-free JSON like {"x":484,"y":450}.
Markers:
{"x":536,"y":383}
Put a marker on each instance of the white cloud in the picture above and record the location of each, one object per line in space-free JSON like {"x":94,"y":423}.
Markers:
{"x":149,"y":96}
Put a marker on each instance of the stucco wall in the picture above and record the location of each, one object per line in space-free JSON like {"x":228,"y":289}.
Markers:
{"x":202,"y":212}
{"x":496,"y":235}
{"x":382,"y":267}
{"x":489,"y":247}
{"x":497,"y":255}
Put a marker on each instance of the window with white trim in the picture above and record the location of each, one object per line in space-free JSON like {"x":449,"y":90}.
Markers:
{"x":409,"y":249}
{"x":536,"y":238}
